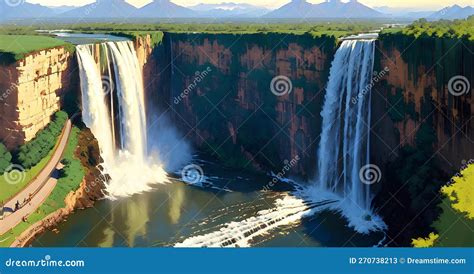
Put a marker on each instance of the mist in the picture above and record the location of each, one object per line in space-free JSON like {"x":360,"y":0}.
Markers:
{"x":166,"y":143}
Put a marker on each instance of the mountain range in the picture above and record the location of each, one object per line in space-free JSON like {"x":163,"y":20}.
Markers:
{"x":453,"y":12}
{"x":300,"y":9}
{"x":404,"y":12}
{"x":101,"y":9}
{"x":23,"y":10}
{"x":328,"y":9}
{"x":229,"y":9}
{"x":165,"y":9}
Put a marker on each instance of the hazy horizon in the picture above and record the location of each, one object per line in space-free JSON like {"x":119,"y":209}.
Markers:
{"x":272,"y":4}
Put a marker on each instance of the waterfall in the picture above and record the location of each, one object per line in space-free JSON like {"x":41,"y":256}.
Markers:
{"x":343,"y":151}
{"x":113,"y":108}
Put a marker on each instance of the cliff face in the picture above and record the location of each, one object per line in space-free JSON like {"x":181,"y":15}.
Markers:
{"x":219,"y":93}
{"x":416,"y":91}
{"x":423,"y":127}
{"x":153,"y":60}
{"x":32,"y":91}
{"x":217,"y":88}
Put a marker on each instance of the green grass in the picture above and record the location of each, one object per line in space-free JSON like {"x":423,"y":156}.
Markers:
{"x":16,"y":47}
{"x":71,"y":175}
{"x":70,"y":180}
{"x":10,"y":190}
{"x":156,"y":36}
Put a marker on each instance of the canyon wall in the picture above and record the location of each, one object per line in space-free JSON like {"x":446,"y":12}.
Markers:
{"x":217,"y":89}
{"x":423,"y":127}
{"x":32,"y":90}
{"x":220,"y":96}
{"x":416,"y":91}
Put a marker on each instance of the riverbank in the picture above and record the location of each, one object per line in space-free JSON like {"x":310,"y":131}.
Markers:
{"x":72,"y":201}
{"x":36,"y":192}
{"x":74,"y":190}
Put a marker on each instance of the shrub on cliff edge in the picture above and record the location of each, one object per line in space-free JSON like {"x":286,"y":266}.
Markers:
{"x":35,"y":150}
{"x":454,"y":226}
{"x":5,"y":158}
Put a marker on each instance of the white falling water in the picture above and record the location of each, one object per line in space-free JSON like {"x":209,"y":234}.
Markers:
{"x":345,"y":138}
{"x":343,"y":150}
{"x":130,"y":168}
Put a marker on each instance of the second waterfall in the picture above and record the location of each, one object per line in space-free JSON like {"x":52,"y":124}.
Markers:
{"x":113,"y":107}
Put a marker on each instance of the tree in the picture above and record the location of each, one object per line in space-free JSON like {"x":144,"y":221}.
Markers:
{"x":5,"y":158}
{"x":31,"y":153}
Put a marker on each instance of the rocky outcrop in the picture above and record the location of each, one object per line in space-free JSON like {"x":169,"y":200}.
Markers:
{"x":32,"y":91}
{"x":218,"y":89}
{"x":144,"y":48}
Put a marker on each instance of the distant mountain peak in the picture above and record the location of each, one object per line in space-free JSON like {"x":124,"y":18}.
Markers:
{"x":229,"y":10}
{"x":165,"y":9}
{"x":327,"y":9}
{"x":453,"y":12}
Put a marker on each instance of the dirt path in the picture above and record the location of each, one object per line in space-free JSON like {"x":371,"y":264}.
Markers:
{"x":39,"y":188}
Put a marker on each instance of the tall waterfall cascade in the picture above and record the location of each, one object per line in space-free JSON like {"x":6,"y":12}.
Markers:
{"x":113,"y":108}
{"x":344,"y":148}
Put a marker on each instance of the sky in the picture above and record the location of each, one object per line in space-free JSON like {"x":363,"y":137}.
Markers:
{"x":415,"y":4}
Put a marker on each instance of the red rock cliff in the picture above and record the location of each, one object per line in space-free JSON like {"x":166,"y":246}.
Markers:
{"x":416,"y":90}
{"x":222,"y":100}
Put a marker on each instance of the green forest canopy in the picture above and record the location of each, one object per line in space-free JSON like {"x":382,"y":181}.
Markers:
{"x":16,"y":41}
{"x":462,"y":28}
